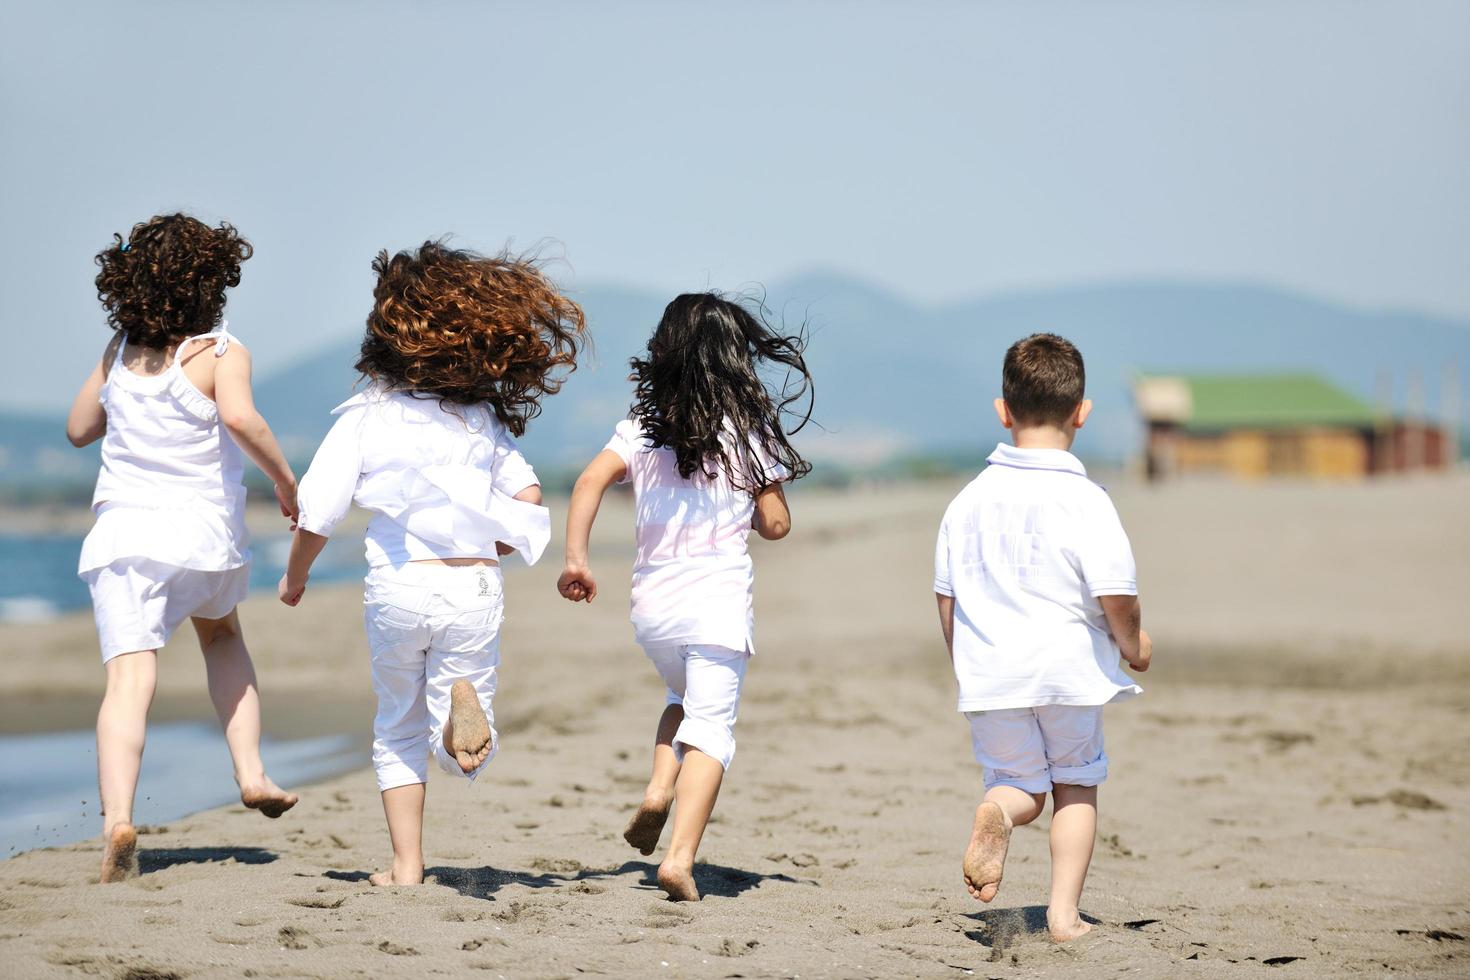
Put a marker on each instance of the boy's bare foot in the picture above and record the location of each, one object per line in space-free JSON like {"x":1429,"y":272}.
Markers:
{"x":678,"y":881}
{"x":648,"y":823}
{"x":267,"y":797}
{"x":1065,"y":928}
{"x":985,"y":858}
{"x":120,"y":854}
{"x":467,"y":731}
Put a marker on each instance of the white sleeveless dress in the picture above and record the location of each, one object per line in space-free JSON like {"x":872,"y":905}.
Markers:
{"x":170,"y":539}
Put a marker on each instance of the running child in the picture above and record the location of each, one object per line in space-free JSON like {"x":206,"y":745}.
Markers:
{"x":170,"y":399}
{"x":1038,"y":597}
{"x":459,"y":351}
{"x":706,"y":454}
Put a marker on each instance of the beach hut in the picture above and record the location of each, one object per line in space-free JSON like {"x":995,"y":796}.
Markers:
{"x":1254,"y":426}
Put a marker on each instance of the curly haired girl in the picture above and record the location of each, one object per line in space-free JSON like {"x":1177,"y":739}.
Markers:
{"x":459,"y":351}
{"x":170,"y":399}
{"x":706,"y":454}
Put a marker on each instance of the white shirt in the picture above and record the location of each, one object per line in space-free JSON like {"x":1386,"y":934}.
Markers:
{"x":439,"y":481}
{"x":693,"y":581}
{"x":170,"y":488}
{"x":1025,"y":550}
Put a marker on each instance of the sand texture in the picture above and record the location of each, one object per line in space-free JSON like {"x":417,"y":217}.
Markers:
{"x":1291,"y":794}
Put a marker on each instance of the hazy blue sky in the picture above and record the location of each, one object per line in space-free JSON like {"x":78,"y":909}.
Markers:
{"x":940,"y":149}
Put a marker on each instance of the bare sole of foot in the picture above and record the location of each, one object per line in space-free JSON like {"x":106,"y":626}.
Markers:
{"x":678,"y":882}
{"x":647,"y":824}
{"x":384,"y":879}
{"x":268,"y":798}
{"x":1065,"y":933}
{"x":467,"y":733}
{"x":985,"y":858}
{"x":120,"y":854}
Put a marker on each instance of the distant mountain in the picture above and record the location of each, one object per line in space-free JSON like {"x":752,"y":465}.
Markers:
{"x":897,"y":379}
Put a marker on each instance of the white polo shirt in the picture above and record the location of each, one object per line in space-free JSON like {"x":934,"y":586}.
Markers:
{"x":1025,"y":550}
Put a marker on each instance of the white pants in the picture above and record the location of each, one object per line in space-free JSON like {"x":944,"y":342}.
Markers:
{"x":427,"y":627}
{"x":138,"y":603}
{"x":706,"y":680}
{"x":1034,"y":748}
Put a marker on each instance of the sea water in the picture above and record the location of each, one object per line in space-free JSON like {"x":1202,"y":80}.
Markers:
{"x":38,"y":572}
{"x":48,"y":781}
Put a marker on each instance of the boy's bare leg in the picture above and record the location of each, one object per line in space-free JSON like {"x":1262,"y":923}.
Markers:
{"x":122,"y":723}
{"x":404,"y":808}
{"x":695,"y":792}
{"x":1004,"y":808}
{"x":237,"y":702}
{"x":648,"y":823}
{"x":1073,"y":829}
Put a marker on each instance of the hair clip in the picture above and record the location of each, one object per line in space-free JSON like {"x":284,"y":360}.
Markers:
{"x":125,"y":246}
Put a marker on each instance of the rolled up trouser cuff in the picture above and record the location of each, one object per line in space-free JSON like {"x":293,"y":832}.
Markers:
{"x":713,"y":740}
{"x":393,"y":768}
{"x":1091,"y":774}
{"x":1027,"y":783}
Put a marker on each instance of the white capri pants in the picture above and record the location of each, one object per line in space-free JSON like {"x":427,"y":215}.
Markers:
{"x":706,"y":680}
{"x":1033,"y":749}
{"x":428,"y":626}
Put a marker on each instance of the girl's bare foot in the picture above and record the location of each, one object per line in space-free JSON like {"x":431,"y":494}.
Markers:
{"x":985,"y":858}
{"x":1065,"y":927}
{"x":648,"y":823}
{"x":467,"y":731}
{"x":678,"y":881}
{"x":263,"y":795}
{"x":120,"y":854}
{"x":395,"y":878}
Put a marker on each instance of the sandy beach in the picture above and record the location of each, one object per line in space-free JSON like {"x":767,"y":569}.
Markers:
{"x":1292,"y":792}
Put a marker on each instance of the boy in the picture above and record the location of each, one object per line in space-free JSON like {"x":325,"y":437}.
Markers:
{"x":1038,"y":597}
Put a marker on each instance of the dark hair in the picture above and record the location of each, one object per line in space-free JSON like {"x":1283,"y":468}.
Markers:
{"x":468,"y":328}
{"x":1043,"y":380}
{"x":701,"y":378}
{"x":167,"y":282}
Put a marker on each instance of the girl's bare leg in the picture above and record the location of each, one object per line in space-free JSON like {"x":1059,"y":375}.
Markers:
{"x":1003,"y":809}
{"x":404,"y":808}
{"x":1073,"y":830}
{"x":695,"y":792}
{"x":122,"y":723}
{"x":648,"y":823}
{"x":237,"y":702}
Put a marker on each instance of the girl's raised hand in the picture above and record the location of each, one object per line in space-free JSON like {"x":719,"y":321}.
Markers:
{"x":577,"y":584}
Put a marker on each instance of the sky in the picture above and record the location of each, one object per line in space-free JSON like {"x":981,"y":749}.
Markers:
{"x":938,"y":150}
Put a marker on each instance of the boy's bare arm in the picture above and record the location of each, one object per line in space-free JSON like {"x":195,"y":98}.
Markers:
{"x":946,"y":621}
{"x":1125,"y":622}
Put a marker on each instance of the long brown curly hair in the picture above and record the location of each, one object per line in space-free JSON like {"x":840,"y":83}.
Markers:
{"x":167,"y":281}
{"x":469,"y":329}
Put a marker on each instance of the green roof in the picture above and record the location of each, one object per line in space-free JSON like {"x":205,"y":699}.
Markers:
{"x":1232,"y":401}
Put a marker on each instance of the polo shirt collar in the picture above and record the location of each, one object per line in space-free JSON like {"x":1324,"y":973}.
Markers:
{"x":1036,"y":459}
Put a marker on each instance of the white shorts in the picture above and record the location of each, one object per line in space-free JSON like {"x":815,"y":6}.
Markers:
{"x":706,"y":680}
{"x":138,"y":603}
{"x":428,"y":626}
{"x":1032,"y":749}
